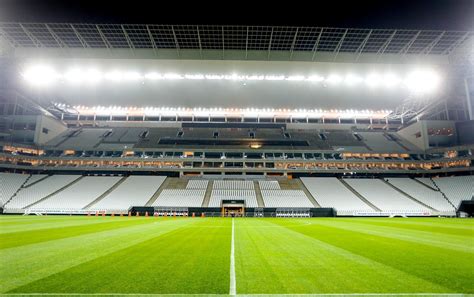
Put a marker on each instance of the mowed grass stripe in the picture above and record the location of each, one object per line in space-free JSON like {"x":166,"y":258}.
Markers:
{"x":35,"y":261}
{"x":446,"y":267}
{"x":185,"y":260}
{"x":418,"y":224}
{"x":454,"y":242}
{"x":9,"y":240}
{"x":271,"y":258}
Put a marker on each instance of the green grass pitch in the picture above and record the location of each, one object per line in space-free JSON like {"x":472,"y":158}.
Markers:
{"x":102,"y":255}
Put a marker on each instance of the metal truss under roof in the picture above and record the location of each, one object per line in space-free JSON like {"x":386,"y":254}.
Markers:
{"x":224,"y":38}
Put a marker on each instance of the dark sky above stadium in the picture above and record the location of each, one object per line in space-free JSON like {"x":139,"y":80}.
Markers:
{"x":409,"y":14}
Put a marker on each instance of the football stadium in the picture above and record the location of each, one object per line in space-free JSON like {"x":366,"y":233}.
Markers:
{"x":143,"y":159}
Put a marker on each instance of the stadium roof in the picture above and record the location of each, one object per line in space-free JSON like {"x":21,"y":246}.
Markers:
{"x":230,"y":38}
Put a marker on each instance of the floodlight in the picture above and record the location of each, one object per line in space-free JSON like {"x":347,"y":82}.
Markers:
{"x":41,"y":75}
{"x":422,"y":81}
{"x":352,"y":80}
{"x":153,"y":76}
{"x":334,"y":79}
{"x":315,"y":78}
{"x":373,"y":80}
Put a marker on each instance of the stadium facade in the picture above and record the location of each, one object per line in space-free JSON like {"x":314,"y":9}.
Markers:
{"x":287,"y":121}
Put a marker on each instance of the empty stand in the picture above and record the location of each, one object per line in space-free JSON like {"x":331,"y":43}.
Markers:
{"x":430,"y":197}
{"x":456,"y":188}
{"x":134,"y":191}
{"x":78,"y":195}
{"x":286,"y":198}
{"x":9,"y":184}
{"x":180,"y":198}
{"x":40,"y":190}
{"x":330,"y":192}
{"x":385,"y":197}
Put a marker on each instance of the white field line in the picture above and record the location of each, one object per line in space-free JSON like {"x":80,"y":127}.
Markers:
{"x":232,"y":289}
{"x":178,"y":294}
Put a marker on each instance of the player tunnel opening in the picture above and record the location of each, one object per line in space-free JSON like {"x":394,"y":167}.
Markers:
{"x":233,"y":208}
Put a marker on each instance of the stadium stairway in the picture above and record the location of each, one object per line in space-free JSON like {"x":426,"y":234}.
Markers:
{"x":55,"y":192}
{"x":18,"y":190}
{"x":207,"y":196}
{"x":258,"y":193}
{"x":443,"y":194}
{"x":434,"y":187}
{"x":407,"y":195}
{"x":35,"y":182}
{"x":308,"y":194}
{"x":359,"y":195}
{"x":103,"y":195}
{"x":163,"y":186}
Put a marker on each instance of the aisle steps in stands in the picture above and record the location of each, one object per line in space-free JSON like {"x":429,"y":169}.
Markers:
{"x":103,"y":195}
{"x":350,"y":188}
{"x":258,"y":191}
{"x":442,"y":193}
{"x":407,"y":195}
{"x":55,"y":192}
{"x":163,"y":186}
{"x":207,"y":197}
{"x":18,"y":190}
{"x":308,"y":194}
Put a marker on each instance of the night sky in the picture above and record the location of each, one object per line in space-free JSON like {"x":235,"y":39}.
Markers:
{"x":401,"y":14}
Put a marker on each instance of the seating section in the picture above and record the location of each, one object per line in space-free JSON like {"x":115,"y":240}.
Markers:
{"x":9,"y":184}
{"x":286,"y":198}
{"x":233,"y":185}
{"x":180,"y":198}
{"x":34,"y":178}
{"x":330,"y":192}
{"x":134,"y":191}
{"x":78,"y":195}
{"x":431,"y":198}
{"x":427,"y":181}
{"x":456,"y":188}
{"x":249,"y":196}
{"x":269,"y":185}
{"x":36,"y":192}
{"x":197,"y":184}
{"x":385,"y":197}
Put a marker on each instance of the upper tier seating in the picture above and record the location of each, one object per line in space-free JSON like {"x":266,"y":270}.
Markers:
{"x":269,"y":185}
{"x":134,"y":191}
{"x":180,"y":198}
{"x":286,"y":198}
{"x":84,"y":138}
{"x":431,"y":198}
{"x":330,"y":192}
{"x":36,"y":192}
{"x":9,"y":184}
{"x":34,"y":178}
{"x":233,"y":184}
{"x":456,"y":188}
{"x":217,"y":196}
{"x":427,"y":181}
{"x":79,"y":194}
{"x":197,"y":184}
{"x":385,"y":197}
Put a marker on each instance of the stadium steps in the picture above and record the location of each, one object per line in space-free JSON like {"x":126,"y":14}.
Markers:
{"x":407,"y":195}
{"x":308,"y":194}
{"x":359,"y":195}
{"x":34,"y":183}
{"x":55,"y":192}
{"x":442,"y":193}
{"x":207,"y":196}
{"x":258,"y":193}
{"x":103,"y":195}
{"x":18,"y":190}
{"x":155,"y":196}
{"x":433,"y":188}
